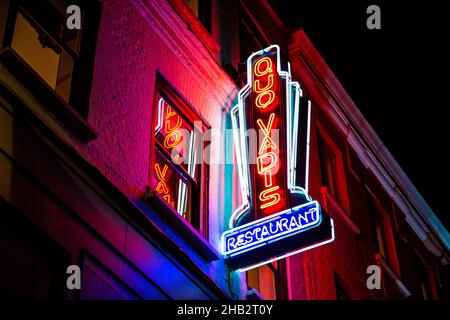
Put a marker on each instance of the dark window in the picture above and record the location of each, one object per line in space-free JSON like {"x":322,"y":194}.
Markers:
{"x":328,"y":168}
{"x":341,"y":294}
{"x":250,"y":39}
{"x":353,"y":162}
{"x":379,"y":229}
{"x":177,"y":172}
{"x":61,"y":58}
{"x":424,"y":278}
{"x":202,"y":10}
{"x":33,"y":265}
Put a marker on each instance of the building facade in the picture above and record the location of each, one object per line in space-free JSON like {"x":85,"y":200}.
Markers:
{"x":89,"y":122}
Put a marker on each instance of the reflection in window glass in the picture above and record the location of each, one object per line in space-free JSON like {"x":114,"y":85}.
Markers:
{"x":172,"y":187}
{"x":175,"y":135}
{"x":53,"y":64}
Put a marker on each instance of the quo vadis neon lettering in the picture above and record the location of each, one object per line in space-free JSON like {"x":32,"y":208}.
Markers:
{"x":172,"y":125}
{"x":263,"y":84}
{"x":162,"y":187}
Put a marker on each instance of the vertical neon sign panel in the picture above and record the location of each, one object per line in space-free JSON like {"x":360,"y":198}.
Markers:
{"x":277,"y":216}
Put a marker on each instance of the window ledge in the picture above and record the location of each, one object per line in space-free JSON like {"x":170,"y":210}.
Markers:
{"x":171,"y":217}
{"x":62,"y":111}
{"x":400,"y":285}
{"x":254,"y":294}
{"x":332,"y":207}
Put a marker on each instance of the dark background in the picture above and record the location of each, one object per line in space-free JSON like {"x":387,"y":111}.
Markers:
{"x":398,"y":76}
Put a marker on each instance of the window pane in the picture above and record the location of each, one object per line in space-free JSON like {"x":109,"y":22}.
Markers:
{"x":171,"y":186}
{"x":70,"y":37}
{"x":175,"y":135}
{"x":43,"y":55}
{"x":379,"y":229}
{"x":328,"y":169}
{"x":51,"y":16}
{"x":380,"y":237}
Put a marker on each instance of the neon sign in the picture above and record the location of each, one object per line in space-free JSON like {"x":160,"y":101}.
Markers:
{"x":161,"y":187}
{"x":277,"y":217}
{"x":173,"y":137}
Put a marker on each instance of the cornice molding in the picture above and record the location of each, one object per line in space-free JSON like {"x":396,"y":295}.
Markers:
{"x":332,"y":98}
{"x":186,"y":45}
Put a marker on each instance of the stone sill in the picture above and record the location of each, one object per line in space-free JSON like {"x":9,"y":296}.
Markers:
{"x":173,"y":219}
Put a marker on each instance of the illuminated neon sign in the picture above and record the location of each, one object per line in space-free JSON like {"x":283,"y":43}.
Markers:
{"x":277,"y":217}
{"x":162,"y":187}
{"x":266,"y":106}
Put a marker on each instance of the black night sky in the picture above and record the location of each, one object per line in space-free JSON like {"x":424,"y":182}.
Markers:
{"x":398,"y":76}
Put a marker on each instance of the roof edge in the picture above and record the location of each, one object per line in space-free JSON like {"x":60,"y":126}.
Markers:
{"x":371,"y":150}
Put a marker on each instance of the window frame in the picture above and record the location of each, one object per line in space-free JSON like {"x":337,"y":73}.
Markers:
{"x":339,"y":174}
{"x":425,"y":270}
{"x":73,"y":112}
{"x":327,"y":159}
{"x":247,"y":23}
{"x":354,"y":164}
{"x":388,"y":240}
{"x":204,"y":13}
{"x":200,"y":203}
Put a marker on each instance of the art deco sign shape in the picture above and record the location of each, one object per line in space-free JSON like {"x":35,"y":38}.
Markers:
{"x":277,"y":217}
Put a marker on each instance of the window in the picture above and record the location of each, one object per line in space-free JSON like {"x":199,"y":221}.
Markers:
{"x":177,"y":172}
{"x":353,"y":163}
{"x":341,"y":294}
{"x":379,"y":229}
{"x":250,"y":39}
{"x":382,"y":232}
{"x":328,"y":168}
{"x":331,"y":164}
{"x":59,"y":58}
{"x":202,"y":10}
{"x":264,"y":280}
{"x":33,"y":265}
{"x":425,"y":279}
